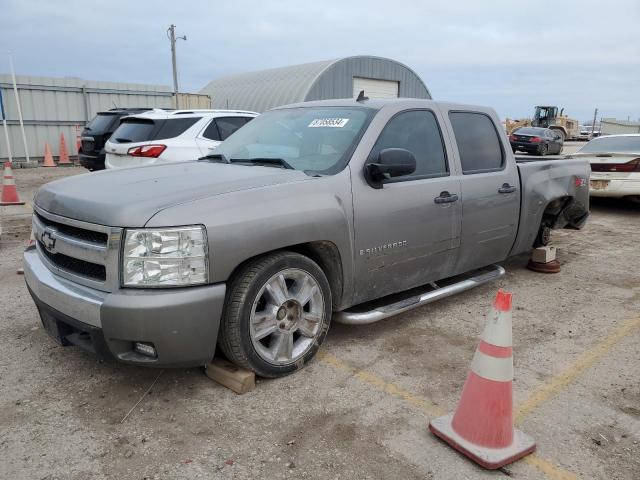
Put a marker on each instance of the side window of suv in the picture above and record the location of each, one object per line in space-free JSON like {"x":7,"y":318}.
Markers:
{"x":211,"y":132}
{"x":418,"y":132}
{"x":175,"y":126}
{"x":228,"y":125}
{"x":478,"y":142}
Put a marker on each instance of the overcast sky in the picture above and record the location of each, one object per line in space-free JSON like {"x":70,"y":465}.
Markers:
{"x":509,"y":55}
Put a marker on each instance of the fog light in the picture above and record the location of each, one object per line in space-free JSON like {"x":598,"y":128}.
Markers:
{"x":146,"y":349}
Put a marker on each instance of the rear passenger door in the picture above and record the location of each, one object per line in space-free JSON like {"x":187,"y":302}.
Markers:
{"x":217,"y":132}
{"x":490,"y":191}
{"x":556,"y":140}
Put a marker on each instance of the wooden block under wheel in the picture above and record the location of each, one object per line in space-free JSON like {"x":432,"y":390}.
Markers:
{"x":231,"y":376}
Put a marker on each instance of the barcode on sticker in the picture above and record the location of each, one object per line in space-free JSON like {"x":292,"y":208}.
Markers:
{"x":328,"y":122}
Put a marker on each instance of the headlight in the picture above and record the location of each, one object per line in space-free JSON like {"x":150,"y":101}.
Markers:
{"x":167,"y":257}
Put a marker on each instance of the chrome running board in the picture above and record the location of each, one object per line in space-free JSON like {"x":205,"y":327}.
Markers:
{"x":436,"y":293}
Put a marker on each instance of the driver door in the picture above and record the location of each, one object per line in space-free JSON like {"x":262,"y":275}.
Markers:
{"x":404,"y":237}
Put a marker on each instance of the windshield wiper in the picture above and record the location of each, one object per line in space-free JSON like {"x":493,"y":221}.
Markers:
{"x":215,"y":157}
{"x":123,"y":140}
{"x":266,"y":161}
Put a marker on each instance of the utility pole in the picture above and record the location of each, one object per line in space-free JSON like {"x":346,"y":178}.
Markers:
{"x":171,"y":33}
{"x":593,"y":125}
{"x":6,"y":130}
{"x":15,"y":91}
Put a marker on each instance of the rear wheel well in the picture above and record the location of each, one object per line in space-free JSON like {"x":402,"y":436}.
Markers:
{"x":553,"y":210}
{"x":549,"y":221}
{"x":556,"y":127}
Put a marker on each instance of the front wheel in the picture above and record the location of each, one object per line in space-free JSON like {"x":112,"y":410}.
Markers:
{"x":560,"y":134}
{"x":277,"y":314}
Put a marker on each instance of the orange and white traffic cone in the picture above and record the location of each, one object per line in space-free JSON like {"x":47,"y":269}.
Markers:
{"x":48,"y":158}
{"x":482,"y":426}
{"x":63,"y":159}
{"x":9,"y":190}
{"x":78,"y":141}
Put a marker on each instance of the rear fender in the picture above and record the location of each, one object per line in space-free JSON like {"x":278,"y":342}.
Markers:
{"x":550,"y":192}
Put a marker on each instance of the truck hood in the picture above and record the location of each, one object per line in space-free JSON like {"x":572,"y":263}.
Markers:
{"x":130,"y":197}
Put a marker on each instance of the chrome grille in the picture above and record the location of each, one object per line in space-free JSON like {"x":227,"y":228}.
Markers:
{"x":83,"y":252}
{"x":74,"y":265}
{"x":78,"y":233}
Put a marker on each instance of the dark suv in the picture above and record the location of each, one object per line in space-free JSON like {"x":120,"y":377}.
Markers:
{"x":97,"y":132}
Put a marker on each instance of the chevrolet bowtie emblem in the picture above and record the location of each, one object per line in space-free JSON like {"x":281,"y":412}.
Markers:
{"x":48,"y":241}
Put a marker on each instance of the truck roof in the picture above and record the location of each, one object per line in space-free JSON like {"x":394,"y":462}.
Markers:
{"x":380,"y":103}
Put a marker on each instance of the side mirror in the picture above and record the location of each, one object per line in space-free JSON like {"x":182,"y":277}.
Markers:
{"x":391,"y":162}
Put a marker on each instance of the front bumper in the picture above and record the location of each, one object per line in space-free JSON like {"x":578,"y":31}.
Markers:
{"x":182,"y":323}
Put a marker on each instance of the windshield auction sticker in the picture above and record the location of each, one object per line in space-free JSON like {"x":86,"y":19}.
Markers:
{"x":328,"y":122}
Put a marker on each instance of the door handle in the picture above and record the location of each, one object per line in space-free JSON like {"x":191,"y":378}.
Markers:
{"x":446,"y":197}
{"x":506,"y":188}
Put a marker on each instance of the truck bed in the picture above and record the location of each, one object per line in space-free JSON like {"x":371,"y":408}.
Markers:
{"x":535,"y":158}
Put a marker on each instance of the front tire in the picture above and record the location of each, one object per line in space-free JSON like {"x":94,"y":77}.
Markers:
{"x":561,"y":133}
{"x":277,"y":314}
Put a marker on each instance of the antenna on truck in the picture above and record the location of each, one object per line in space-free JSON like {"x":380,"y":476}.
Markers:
{"x":361,"y":97}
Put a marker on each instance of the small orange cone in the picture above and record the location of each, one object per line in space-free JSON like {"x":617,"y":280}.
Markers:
{"x":78,"y":140}
{"x":482,"y":426}
{"x":9,"y":190}
{"x":48,"y":158}
{"x":63,"y":159}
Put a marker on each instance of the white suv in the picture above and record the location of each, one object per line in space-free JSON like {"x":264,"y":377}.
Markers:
{"x":161,"y":136}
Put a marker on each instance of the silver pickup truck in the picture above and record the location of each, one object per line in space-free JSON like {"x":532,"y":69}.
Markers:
{"x":355,"y":210}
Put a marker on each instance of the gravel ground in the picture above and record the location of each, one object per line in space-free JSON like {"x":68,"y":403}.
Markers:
{"x":361,"y":409}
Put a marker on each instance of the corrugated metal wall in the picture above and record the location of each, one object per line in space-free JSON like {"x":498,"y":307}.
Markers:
{"x":611,"y":126}
{"x":194,"y":100}
{"x":51,"y":106}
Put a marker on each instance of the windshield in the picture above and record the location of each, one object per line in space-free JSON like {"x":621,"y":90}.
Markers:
{"x":314,"y":140}
{"x":612,"y":145}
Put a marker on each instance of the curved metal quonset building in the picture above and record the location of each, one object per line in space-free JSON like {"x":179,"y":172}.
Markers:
{"x":339,"y":78}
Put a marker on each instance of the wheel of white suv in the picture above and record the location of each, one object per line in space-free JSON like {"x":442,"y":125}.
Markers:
{"x":277,"y":314}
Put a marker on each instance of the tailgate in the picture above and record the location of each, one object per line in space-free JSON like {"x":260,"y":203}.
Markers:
{"x":115,"y":160}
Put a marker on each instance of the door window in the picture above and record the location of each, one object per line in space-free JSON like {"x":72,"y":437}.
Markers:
{"x":478,"y":142}
{"x":211,"y":132}
{"x":418,"y":132}
{"x":228,"y":125}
